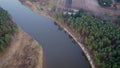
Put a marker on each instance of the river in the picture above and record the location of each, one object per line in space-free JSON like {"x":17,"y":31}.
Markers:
{"x":60,"y":51}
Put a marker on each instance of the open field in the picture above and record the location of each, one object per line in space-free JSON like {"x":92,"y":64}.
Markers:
{"x":93,"y":6}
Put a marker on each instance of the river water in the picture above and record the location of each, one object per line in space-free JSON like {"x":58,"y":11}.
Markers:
{"x":60,"y":51}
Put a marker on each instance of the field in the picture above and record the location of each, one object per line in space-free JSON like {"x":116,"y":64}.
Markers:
{"x":93,"y":6}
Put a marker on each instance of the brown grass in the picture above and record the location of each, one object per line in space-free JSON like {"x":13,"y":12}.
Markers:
{"x":23,"y":52}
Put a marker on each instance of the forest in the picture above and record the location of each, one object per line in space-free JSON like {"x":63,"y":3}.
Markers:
{"x":102,"y":38}
{"x":7,"y":28}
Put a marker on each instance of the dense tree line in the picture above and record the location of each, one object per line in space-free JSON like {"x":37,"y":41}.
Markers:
{"x":7,"y":27}
{"x":102,"y":38}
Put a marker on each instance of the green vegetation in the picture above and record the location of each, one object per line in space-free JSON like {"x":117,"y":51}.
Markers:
{"x":102,"y":38}
{"x":105,"y":3}
{"x":7,"y":27}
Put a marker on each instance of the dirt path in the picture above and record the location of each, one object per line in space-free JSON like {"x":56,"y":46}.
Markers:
{"x":23,"y":52}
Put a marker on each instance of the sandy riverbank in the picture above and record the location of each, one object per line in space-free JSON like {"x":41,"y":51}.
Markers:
{"x":68,"y":30}
{"x":23,"y":52}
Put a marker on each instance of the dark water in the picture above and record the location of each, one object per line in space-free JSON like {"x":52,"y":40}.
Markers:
{"x":60,"y":51}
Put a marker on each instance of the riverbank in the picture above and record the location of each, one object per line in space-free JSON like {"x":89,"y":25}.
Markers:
{"x":78,"y":41}
{"x":22,"y":52}
{"x":67,"y":29}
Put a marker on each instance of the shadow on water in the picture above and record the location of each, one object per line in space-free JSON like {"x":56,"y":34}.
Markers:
{"x":59,"y":28}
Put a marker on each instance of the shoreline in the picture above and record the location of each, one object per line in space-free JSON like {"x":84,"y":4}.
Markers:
{"x":23,"y":51}
{"x":76,"y":39}
{"x":66,"y":29}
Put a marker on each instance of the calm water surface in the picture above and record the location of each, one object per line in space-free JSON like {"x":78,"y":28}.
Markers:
{"x":60,"y":51}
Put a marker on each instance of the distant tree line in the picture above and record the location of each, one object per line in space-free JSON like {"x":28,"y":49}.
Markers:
{"x":102,"y":38}
{"x":7,"y":27}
